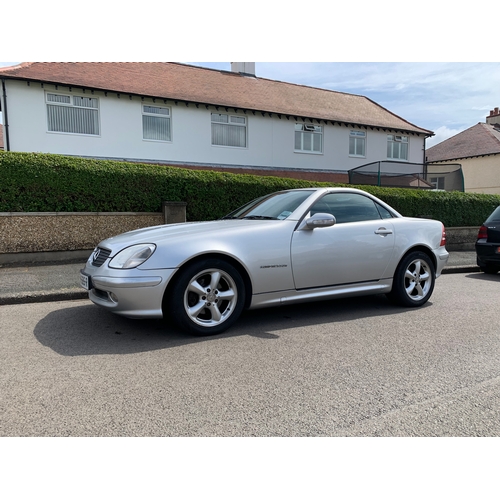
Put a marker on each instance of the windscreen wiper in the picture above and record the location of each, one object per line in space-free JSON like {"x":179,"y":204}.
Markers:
{"x":260,"y":217}
{"x":252,"y":217}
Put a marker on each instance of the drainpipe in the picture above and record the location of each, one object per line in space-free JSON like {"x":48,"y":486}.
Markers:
{"x":425,"y":162}
{"x":6,"y":117}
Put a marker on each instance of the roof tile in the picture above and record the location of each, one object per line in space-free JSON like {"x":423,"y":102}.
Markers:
{"x":479,"y":140}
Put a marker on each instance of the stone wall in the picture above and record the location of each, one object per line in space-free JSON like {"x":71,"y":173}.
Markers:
{"x":46,"y":236}
{"x":461,"y":238}
{"x":52,"y":232}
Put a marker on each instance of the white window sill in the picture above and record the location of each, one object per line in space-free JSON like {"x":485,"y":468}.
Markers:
{"x":73,"y":133}
{"x":157,"y":140}
{"x":228,"y":147}
{"x":299,"y":151}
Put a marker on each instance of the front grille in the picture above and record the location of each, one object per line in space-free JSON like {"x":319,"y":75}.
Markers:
{"x":99,"y":256}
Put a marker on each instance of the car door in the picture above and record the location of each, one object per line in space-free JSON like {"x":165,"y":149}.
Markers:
{"x":357,"y":248}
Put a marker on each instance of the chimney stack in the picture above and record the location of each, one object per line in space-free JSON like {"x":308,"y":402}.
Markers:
{"x":494,"y":117}
{"x":243,"y":68}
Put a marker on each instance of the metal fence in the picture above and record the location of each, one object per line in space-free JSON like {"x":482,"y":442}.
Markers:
{"x":409,"y":175}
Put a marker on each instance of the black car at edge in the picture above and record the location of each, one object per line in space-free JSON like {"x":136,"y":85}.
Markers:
{"x":488,"y":244}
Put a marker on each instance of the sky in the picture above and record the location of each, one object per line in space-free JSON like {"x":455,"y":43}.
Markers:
{"x":444,"y":97}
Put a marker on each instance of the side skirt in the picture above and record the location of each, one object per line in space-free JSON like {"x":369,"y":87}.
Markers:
{"x":314,"y":294}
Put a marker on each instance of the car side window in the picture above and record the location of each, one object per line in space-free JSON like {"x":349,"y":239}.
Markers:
{"x":350,"y":207}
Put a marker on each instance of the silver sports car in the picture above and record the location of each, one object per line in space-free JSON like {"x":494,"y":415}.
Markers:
{"x":287,"y":247}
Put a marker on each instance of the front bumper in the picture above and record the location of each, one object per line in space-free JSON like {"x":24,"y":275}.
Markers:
{"x":133,"y":293}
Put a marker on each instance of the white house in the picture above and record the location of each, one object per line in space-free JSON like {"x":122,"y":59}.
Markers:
{"x":180,"y":114}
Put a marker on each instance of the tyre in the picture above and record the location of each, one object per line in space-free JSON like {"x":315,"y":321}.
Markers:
{"x":489,"y":269}
{"x":207,"y":297}
{"x":413,"y":280}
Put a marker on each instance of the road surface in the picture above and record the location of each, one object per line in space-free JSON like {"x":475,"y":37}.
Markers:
{"x":351,"y":367}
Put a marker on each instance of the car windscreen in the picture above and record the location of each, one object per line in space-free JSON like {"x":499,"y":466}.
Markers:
{"x":276,"y":206}
{"x":494,"y":216}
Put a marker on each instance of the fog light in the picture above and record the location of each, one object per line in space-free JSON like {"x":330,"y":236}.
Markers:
{"x":113,"y":297}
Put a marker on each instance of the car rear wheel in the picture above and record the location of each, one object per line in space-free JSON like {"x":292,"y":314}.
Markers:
{"x":413,"y":281}
{"x":207,"y":297}
{"x":489,"y":269}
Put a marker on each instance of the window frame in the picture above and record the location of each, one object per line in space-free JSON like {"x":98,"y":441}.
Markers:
{"x":71,"y":105}
{"x":229,"y":123}
{"x":355,"y":135}
{"x":438,"y":181}
{"x":320,"y":133}
{"x":398,"y":139}
{"x":167,"y":117}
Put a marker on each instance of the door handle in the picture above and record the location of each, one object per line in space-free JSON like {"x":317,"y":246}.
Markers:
{"x":383,"y":231}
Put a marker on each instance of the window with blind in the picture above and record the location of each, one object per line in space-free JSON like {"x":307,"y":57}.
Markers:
{"x":308,"y":138}
{"x":397,"y":147}
{"x":72,"y":114}
{"x":156,"y":123}
{"x":229,"y":130}
{"x":357,"y":141}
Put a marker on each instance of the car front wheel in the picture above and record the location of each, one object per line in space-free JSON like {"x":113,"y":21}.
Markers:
{"x":207,"y":297}
{"x":413,"y":281}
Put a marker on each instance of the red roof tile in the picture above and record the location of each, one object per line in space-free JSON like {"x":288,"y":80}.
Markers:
{"x":479,"y":140}
{"x":206,"y":86}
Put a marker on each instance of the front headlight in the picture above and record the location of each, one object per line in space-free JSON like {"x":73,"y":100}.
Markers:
{"x":133,"y":256}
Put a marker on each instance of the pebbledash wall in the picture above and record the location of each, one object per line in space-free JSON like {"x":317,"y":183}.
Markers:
{"x":46,"y":236}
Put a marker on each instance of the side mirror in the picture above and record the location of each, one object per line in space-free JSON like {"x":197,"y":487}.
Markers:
{"x":320,"y":220}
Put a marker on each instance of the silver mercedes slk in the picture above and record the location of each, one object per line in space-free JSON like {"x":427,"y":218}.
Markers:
{"x":287,"y":247}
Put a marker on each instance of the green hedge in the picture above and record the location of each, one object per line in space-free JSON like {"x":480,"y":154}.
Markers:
{"x":34,"y":182}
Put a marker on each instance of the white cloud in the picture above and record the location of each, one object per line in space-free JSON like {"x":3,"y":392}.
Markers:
{"x":441,"y":134}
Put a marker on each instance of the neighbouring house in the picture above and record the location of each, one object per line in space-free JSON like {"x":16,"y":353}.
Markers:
{"x":476,"y":150}
{"x":1,"y":137}
{"x":180,"y":114}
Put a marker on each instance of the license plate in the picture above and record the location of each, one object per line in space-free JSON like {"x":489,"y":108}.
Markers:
{"x":85,"y":281}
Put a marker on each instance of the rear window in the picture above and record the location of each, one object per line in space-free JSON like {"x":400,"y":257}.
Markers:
{"x":494,"y":216}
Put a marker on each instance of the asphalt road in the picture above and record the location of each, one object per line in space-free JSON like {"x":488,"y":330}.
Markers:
{"x":356,"y":367}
